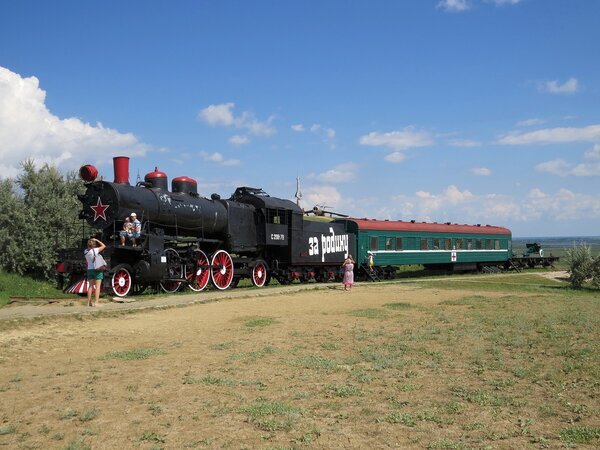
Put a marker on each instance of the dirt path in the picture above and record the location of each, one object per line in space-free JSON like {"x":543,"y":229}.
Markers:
{"x":76,"y":305}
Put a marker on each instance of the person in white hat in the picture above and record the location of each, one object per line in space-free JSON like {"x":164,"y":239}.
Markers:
{"x":131,"y":230}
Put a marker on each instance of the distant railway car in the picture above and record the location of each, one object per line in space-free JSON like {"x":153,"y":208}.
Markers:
{"x":441,"y":245}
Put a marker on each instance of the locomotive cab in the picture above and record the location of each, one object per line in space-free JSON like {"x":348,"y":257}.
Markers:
{"x":274,"y":221}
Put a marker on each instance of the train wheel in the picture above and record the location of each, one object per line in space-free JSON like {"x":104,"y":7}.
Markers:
{"x":222,"y":270}
{"x":259,"y":274}
{"x":199,"y":276}
{"x":121,"y":280}
{"x":174,"y":270}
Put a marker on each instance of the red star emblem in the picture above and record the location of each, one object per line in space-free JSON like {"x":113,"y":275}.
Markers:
{"x":99,"y":210}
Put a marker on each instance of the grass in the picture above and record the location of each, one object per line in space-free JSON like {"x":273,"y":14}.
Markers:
{"x":134,"y":354}
{"x":272,"y":415}
{"x":13,"y":285}
{"x":580,"y":435}
{"x":494,"y":366}
{"x":260,"y":322}
{"x":370,"y":313}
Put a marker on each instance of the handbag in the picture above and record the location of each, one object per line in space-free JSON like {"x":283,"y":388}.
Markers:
{"x":99,"y":263}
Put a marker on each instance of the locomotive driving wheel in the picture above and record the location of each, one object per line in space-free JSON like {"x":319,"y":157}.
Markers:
{"x":222,"y":270}
{"x":198,"y":274}
{"x":172,"y":282}
{"x":259,"y":274}
{"x":121,"y":280}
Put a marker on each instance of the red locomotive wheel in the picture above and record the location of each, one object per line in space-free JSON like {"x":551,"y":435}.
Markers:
{"x":222,"y":270}
{"x":198,"y":276}
{"x":259,"y":274}
{"x":121,"y":280}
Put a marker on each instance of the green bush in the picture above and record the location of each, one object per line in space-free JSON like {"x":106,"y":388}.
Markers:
{"x":583,"y":266}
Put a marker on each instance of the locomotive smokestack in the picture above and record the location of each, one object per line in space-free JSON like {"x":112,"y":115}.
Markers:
{"x":121,"y":167}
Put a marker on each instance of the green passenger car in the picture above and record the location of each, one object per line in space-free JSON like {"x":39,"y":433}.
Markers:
{"x":458,"y":247}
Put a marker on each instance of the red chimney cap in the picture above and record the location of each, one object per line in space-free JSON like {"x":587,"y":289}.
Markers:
{"x":156,"y":174}
{"x":184,"y":179}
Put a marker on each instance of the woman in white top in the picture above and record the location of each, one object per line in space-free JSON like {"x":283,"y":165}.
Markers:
{"x":94,"y":276}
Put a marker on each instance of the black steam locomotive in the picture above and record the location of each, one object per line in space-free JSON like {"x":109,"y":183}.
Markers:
{"x":189,"y":240}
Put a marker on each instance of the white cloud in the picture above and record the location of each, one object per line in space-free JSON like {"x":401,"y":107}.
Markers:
{"x":395,"y":157}
{"x":322,"y":195}
{"x":327,"y":134}
{"x":464,"y":143}
{"x":456,"y":205}
{"x":560,"y":167}
{"x":594,"y":153}
{"x":504,"y":2}
{"x":29,"y":130}
{"x":431,"y":203}
{"x":530,"y":122}
{"x":339,"y":174}
{"x":218,"y":158}
{"x":536,"y":194}
{"x":562,"y":205}
{"x":218,"y":115}
{"x":398,"y":140}
{"x":553,"y":87}
{"x":222,"y":115}
{"x":238,"y":140}
{"x":553,"y":135}
{"x":586,"y":170}
{"x":556,"y":167}
{"x":407,"y":138}
{"x":453,"y":5}
{"x":481,"y":171}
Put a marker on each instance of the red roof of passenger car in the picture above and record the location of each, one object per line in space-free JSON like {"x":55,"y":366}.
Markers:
{"x":399,"y":225}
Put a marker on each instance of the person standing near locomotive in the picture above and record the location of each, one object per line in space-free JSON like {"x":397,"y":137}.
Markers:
{"x":131,"y":229}
{"x":348,"y":266}
{"x":94,"y":275}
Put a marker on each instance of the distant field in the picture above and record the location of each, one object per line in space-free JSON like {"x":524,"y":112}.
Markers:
{"x":556,"y":244}
{"x":448,"y":362}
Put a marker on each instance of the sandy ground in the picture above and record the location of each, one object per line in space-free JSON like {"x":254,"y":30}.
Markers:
{"x":58,"y":387}
{"x":221,"y":370}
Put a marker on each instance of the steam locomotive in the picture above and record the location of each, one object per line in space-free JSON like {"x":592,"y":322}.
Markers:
{"x":189,"y":240}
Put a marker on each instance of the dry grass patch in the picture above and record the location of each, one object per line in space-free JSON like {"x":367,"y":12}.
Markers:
{"x":419,"y":368}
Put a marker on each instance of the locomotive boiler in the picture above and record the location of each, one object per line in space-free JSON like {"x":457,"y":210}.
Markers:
{"x":189,"y":240}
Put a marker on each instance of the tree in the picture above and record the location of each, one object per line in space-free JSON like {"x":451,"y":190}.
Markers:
{"x":38,"y":215}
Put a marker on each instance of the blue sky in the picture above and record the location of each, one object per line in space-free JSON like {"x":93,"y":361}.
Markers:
{"x":469,"y":111}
